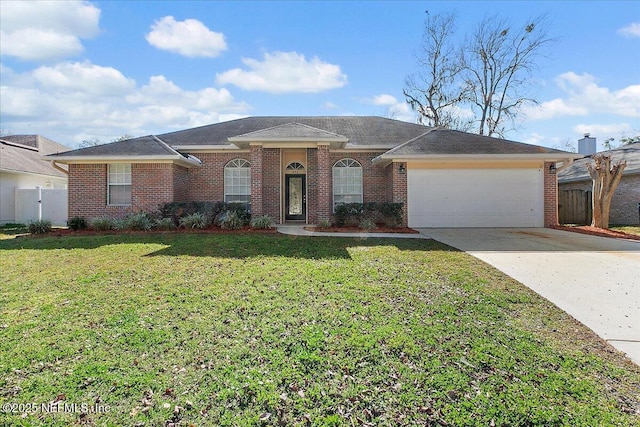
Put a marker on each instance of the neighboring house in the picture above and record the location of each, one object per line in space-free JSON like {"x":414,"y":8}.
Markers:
{"x":625,"y":203}
{"x":299,"y":168}
{"x":23,"y":167}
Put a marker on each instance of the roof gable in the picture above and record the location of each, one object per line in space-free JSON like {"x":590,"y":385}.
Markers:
{"x":24,"y":154}
{"x":289,"y":131}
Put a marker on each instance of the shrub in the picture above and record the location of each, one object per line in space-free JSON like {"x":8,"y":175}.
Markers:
{"x":348,"y":213}
{"x":231,"y":220}
{"x":367,"y":224}
{"x":391,"y":213}
{"x":240,"y":209}
{"x":355,"y":213}
{"x":137,"y":221}
{"x":324,"y":223}
{"x":103,"y":223}
{"x":40,"y":227}
{"x":165,"y":224}
{"x":264,"y":221}
{"x":194,"y":220}
{"x":212,"y":211}
{"x":77,"y":223}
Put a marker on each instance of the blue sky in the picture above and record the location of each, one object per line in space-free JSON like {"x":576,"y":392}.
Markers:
{"x":82,"y":70}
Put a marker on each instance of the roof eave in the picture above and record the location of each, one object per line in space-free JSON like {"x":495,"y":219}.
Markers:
{"x":178,"y":159}
{"x":387,"y":158}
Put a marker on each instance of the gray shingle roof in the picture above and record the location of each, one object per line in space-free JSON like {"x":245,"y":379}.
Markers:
{"x":439,"y":141}
{"x":359,"y":130}
{"x":23,"y":153}
{"x":578,"y":170}
{"x":142,"y":146}
{"x":290,"y":130}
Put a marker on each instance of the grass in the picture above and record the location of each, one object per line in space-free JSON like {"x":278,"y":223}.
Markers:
{"x":200,"y":329}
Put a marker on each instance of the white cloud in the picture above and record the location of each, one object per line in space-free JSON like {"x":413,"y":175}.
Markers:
{"x":631,"y":30}
{"x":603,"y":131}
{"x":72,"y":101}
{"x":384,"y":99}
{"x":46,"y":30}
{"x":398,"y":110}
{"x":285,"y":72}
{"x":585,"y":97}
{"x":190,"y":38}
{"x":83,"y":77}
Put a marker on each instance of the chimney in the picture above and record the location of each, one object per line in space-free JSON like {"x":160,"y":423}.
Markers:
{"x":587,"y":145}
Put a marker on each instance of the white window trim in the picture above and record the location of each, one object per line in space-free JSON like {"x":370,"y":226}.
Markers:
{"x":345,"y":164}
{"x":118,"y":184}
{"x":236,"y":164}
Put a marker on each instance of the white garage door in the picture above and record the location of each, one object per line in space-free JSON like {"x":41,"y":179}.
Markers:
{"x":475,"y":197}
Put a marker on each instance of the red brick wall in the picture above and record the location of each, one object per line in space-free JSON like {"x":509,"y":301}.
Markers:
{"x":398,"y":187}
{"x":180,"y":184}
{"x":271,"y":183}
{"x":157,"y":183}
{"x":256,"y":180}
{"x":323,"y":188}
{"x":550,"y":196}
{"x":151,"y":186}
{"x":87,"y":191}
{"x":312,"y":185}
{"x":206,"y":183}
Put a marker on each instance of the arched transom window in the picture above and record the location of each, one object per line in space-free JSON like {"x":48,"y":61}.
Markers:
{"x":295,"y":168}
{"x":237,"y":181}
{"x":347,"y":182}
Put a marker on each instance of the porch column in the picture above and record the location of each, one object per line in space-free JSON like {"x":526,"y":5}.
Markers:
{"x":256,"y":180}
{"x":550,"y":195}
{"x":324,"y":183}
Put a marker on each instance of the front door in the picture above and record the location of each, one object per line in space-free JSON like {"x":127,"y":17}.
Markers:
{"x":295,"y":199}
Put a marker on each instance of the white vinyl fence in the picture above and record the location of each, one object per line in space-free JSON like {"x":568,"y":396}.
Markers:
{"x":41,"y":203}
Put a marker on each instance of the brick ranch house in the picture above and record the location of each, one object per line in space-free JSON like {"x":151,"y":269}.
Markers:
{"x":299,"y":168}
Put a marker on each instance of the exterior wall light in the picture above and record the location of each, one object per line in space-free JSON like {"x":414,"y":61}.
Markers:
{"x":401,"y":168}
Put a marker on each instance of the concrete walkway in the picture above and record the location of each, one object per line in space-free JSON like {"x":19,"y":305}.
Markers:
{"x":594,"y":279}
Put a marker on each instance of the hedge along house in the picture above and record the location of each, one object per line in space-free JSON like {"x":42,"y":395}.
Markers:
{"x":300,"y":168}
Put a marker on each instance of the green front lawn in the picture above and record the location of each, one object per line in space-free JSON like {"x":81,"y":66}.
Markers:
{"x":235,"y":330}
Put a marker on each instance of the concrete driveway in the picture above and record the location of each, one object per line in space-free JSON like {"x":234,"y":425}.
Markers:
{"x":594,"y":279}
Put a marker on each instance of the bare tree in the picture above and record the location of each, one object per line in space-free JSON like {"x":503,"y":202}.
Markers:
{"x":498,"y":64}
{"x":437,"y":88}
{"x":487,"y":74}
{"x":606,"y":178}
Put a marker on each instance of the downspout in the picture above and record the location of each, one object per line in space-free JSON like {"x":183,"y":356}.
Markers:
{"x":57,"y":167}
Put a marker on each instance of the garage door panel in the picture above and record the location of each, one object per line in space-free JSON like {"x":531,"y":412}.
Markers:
{"x":475,"y":197}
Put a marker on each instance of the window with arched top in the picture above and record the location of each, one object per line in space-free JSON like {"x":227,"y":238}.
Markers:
{"x":295,"y":168}
{"x":347,"y":182}
{"x":237,"y":181}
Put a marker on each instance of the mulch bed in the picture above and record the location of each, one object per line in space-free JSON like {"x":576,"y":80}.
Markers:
{"x":63,"y":232}
{"x":595,"y":231}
